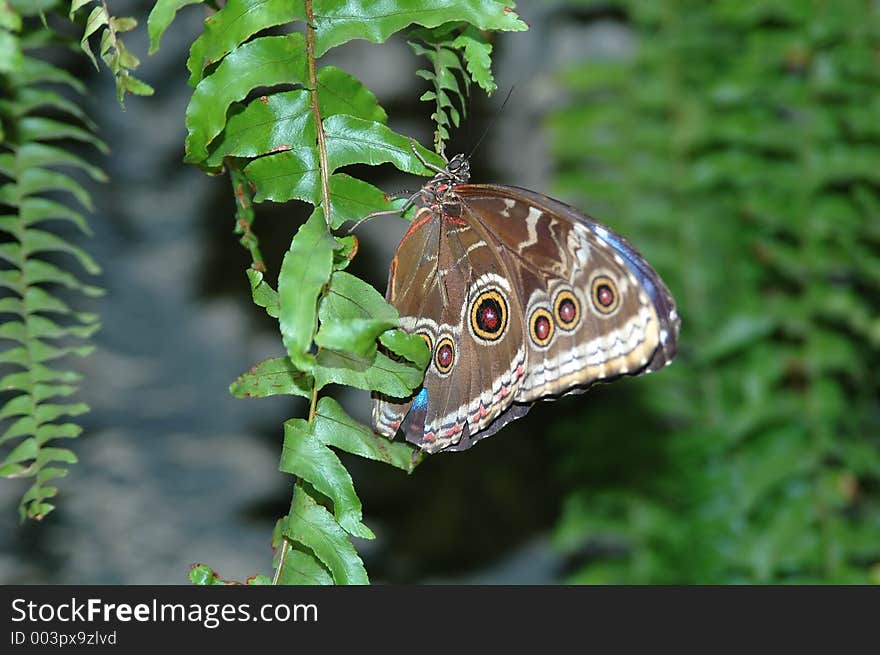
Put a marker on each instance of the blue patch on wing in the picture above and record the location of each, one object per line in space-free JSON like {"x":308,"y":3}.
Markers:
{"x":420,"y":401}
{"x":638,"y":265}
{"x":413,"y":425}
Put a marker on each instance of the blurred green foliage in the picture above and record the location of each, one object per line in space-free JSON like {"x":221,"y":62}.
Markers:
{"x":41,"y":197}
{"x":739,"y":148}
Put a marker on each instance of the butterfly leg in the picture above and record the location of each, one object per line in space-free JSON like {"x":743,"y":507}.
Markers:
{"x":386,"y":212}
{"x":425,"y":162}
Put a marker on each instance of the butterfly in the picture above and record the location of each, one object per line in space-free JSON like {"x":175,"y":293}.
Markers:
{"x":519,"y":298}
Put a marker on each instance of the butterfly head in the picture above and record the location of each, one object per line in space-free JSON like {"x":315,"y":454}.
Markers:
{"x":439,"y":191}
{"x":458,"y":170}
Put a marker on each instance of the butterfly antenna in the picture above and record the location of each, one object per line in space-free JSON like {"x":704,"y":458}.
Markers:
{"x":491,"y":122}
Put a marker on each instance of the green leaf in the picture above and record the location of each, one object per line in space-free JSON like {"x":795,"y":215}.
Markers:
{"x":353,"y":140}
{"x":48,"y":329}
{"x":51,"y":431}
{"x":131,"y":84}
{"x":12,"y":280}
{"x":355,"y":335}
{"x":50,"y":455}
{"x":410,"y":346}
{"x":34,"y":71}
{"x":34,"y":210}
{"x":31,"y":155}
{"x":477,"y":53}
{"x":76,"y":5}
{"x":11,"y":59}
{"x":341,"y":93}
{"x":272,"y":377}
{"x":204,"y":575}
{"x":24,"y":451}
{"x":9,"y":18}
{"x":26,"y":425}
{"x":352,"y":316}
{"x":20,"y":405}
{"x":37,"y":271}
{"x":38,"y":299}
{"x":353,"y":199}
{"x":266,"y":61}
{"x":294,"y":175}
{"x":304,"y":272}
{"x":28,"y":99}
{"x":345,"y":253}
{"x":12,"y":305}
{"x":275,"y":123}
{"x":301,"y":568}
{"x":382,"y":374}
{"x":233,"y":25}
{"x":42,"y":352}
{"x":13,"y":330}
{"x":444,"y":78}
{"x":339,"y":21}
{"x":37,"y":128}
{"x":160,"y":18}
{"x":263,"y":294}
{"x":308,"y":459}
{"x":97,"y":19}
{"x":335,"y":428}
{"x":11,"y":225}
{"x":314,"y":527}
{"x":37,"y":241}
{"x":41,"y":180}
{"x":349,"y":297}
{"x":45,"y":374}
{"x":122,"y":24}
{"x":49,"y":412}
{"x":47,"y":391}
{"x":288,"y":175}
{"x":34,"y":510}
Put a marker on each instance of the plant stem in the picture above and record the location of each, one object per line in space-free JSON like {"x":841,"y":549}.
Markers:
{"x":325,"y":193}
{"x":438,"y":137}
{"x":285,"y":541}
{"x":313,"y":404}
{"x":244,"y":214}
{"x":316,"y":111}
{"x":285,"y":547}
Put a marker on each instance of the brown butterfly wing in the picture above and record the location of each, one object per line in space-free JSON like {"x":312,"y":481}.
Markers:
{"x":609,"y":312}
{"x":450,"y":284}
{"x":520,"y":297}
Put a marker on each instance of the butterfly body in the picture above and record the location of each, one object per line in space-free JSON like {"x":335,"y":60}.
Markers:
{"x":519,"y":297}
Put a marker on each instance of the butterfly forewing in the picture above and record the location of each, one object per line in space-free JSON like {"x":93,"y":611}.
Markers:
{"x":454,"y":289}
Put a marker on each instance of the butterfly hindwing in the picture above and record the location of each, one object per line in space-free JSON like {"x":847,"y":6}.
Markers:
{"x":519,"y":297}
{"x":594,"y":308}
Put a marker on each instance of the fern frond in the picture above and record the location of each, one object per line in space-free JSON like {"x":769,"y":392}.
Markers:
{"x":112,"y":49}
{"x":38,"y":326}
{"x":456,"y":51}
